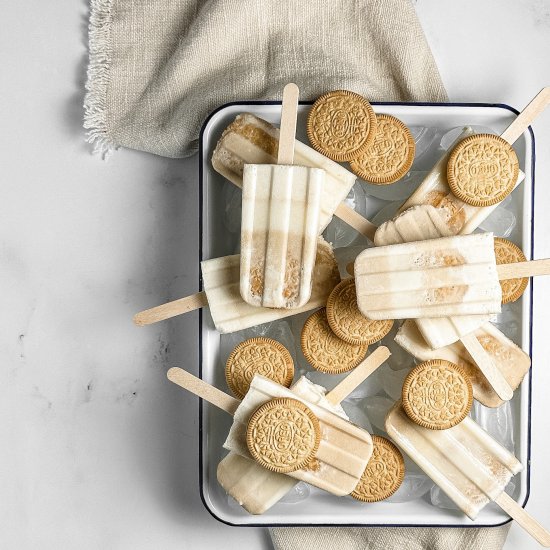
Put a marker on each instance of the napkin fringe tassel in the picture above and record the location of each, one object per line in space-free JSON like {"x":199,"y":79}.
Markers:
{"x":95,"y":100}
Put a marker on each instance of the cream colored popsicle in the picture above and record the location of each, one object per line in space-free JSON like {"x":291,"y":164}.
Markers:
{"x":280,"y":218}
{"x":425,"y":279}
{"x":439,"y":333}
{"x":280,"y":213}
{"x":257,"y":489}
{"x":251,"y":140}
{"x":512,"y":362}
{"x":344,"y":449}
{"x":427,"y":222}
{"x":441,"y":330}
{"x":418,"y":223}
{"x":466,"y":462}
{"x":434,"y":190}
{"x":221,"y":281}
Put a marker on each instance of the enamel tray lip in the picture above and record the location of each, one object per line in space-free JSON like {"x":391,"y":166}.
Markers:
{"x":527,"y":221}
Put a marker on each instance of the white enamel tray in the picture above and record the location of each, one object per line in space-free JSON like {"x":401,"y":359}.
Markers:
{"x":321,"y":508}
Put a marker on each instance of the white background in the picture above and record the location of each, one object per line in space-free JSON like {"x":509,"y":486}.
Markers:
{"x":98,"y":449}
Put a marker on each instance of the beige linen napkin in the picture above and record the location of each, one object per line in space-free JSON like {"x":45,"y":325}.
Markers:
{"x":159,"y":67}
{"x":390,"y":538}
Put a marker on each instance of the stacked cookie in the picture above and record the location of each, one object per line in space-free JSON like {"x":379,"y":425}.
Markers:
{"x":342,"y":125}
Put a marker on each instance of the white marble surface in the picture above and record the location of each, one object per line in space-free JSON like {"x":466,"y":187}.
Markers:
{"x":98,"y":450}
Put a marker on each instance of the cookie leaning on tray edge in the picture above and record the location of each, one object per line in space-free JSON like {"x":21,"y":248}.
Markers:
{"x":290,"y":193}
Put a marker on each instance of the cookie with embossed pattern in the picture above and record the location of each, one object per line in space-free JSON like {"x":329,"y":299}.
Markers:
{"x":347,"y":322}
{"x":482,"y":170}
{"x":283,"y":435}
{"x":506,"y":252}
{"x":384,"y":472}
{"x":390,"y":156}
{"x":260,"y":355}
{"x":341,"y":125}
{"x":437,"y":394}
{"x":326,"y":352}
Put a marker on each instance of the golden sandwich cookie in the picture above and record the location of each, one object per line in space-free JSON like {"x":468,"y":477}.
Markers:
{"x":437,"y":394}
{"x":260,"y":355}
{"x":390,"y":156}
{"x":341,"y":125}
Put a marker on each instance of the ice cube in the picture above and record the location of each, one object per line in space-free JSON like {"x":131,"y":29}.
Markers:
{"x":509,"y":319}
{"x":324,"y":379}
{"x":398,"y":191}
{"x":371,"y":386}
{"x":298,"y":493}
{"x":356,"y":413}
{"x":414,"y":486}
{"x":450,"y":136}
{"x":498,"y":422}
{"x":441,"y":500}
{"x":377,"y":408}
{"x":501,"y":222}
{"x":399,"y":358}
{"x":297,"y":323}
{"x":392,"y":380}
{"x":424,"y":139}
{"x":341,"y":234}
{"x":386,"y":213}
{"x":232,"y":199}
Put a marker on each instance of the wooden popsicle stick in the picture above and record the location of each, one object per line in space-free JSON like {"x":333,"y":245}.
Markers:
{"x":358,"y":375}
{"x":355,"y":220}
{"x":524,"y":519}
{"x":171,"y":309}
{"x":203,"y":390}
{"x":289,"y":112}
{"x":520,"y":124}
{"x":487,"y":367}
{"x":523,"y":269}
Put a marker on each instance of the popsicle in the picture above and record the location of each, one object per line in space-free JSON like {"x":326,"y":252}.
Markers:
{"x":427,"y":222}
{"x":385,"y":276}
{"x":251,"y":140}
{"x":221,"y":280}
{"x":435,"y":189}
{"x":257,"y":489}
{"x":280,"y":218}
{"x":512,"y":362}
{"x":434,"y":278}
{"x":418,"y":223}
{"x":344,"y":448}
{"x":466,"y":462}
{"x":441,"y":332}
